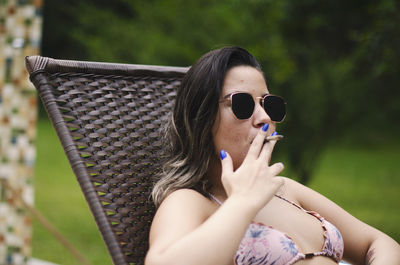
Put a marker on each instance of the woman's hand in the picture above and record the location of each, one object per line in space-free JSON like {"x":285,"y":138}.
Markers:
{"x":255,"y":180}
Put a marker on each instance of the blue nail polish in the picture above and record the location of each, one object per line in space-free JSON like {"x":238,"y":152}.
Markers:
{"x":274,"y":133}
{"x":265,"y":127}
{"x":222,"y":154}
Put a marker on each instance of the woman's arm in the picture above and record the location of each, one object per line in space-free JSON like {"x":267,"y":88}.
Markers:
{"x":383,"y":250}
{"x":363,"y":244}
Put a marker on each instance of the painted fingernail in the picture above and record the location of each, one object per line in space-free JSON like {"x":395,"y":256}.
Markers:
{"x":265,"y":127}
{"x":274,"y":133}
{"x":222,"y":154}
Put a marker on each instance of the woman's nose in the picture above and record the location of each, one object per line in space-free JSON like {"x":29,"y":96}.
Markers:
{"x":260,"y":116}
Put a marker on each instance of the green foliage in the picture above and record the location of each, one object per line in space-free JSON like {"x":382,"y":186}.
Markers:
{"x":344,"y":77}
{"x":335,"y":62}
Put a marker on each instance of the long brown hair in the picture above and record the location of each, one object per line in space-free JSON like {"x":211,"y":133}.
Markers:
{"x":188,"y":134}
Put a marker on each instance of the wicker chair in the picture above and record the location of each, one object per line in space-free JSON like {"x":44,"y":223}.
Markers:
{"x":108,"y":118}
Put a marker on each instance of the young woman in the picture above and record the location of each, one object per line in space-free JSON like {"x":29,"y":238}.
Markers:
{"x":219,"y":199}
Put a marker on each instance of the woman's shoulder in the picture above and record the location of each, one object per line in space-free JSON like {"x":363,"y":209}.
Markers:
{"x":292,"y":190}
{"x":291,"y":185}
{"x":179,"y":213}
{"x":185,"y":195}
{"x":187,"y":201}
{"x":304,"y":196}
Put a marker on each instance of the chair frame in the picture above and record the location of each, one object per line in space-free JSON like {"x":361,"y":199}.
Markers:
{"x":42,"y":71}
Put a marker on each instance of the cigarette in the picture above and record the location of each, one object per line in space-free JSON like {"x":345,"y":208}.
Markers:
{"x":273,"y":138}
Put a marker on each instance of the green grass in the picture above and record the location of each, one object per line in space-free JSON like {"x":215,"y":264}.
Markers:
{"x":363,"y":179}
{"x":59,"y":198}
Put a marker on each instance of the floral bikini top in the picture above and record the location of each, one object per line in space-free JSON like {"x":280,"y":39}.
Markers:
{"x":264,"y":245}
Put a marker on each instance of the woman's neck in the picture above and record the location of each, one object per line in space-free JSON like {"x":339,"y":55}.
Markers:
{"x":214,"y":177}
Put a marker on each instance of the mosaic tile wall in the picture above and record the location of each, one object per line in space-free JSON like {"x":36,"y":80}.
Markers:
{"x":20,"y":34}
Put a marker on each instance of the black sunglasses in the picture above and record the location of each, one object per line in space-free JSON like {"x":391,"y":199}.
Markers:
{"x":243,"y":104}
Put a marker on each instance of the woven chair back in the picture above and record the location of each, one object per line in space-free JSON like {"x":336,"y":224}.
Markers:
{"x":109,"y":119}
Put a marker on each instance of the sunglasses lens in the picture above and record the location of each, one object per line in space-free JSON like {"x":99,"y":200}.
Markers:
{"x":275,"y":108}
{"x":242,"y":105}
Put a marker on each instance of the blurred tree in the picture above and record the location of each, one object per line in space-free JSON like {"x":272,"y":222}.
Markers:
{"x":334,"y":61}
{"x":344,"y":53}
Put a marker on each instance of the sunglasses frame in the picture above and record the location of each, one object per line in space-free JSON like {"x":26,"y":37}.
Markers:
{"x":261,"y":102}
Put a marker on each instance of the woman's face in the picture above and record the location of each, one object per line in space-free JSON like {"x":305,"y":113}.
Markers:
{"x":233,"y":135}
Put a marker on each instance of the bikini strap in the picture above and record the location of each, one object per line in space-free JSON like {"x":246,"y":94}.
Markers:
{"x":288,"y":201}
{"x":215,"y":198}
{"x":278,"y":196}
